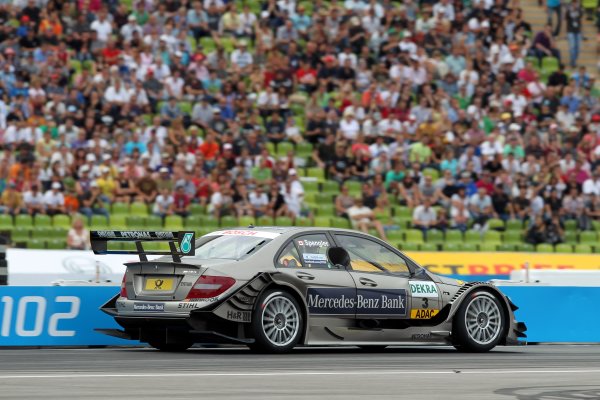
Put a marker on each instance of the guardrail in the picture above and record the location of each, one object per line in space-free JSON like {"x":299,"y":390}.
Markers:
{"x":67,"y":316}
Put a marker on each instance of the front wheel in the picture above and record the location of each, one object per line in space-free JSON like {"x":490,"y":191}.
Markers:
{"x":479,"y":323}
{"x":277,"y":322}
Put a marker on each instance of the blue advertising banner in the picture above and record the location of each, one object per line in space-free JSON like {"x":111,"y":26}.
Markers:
{"x":67,"y":316}
{"x":55,"y":316}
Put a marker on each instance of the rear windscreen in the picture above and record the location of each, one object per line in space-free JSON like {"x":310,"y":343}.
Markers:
{"x":228,"y":247}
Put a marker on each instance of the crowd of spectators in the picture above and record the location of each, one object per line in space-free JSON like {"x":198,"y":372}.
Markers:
{"x":436,"y":105}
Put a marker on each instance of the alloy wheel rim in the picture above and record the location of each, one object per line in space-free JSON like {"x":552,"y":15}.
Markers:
{"x":483,"y":320}
{"x":280,"y":320}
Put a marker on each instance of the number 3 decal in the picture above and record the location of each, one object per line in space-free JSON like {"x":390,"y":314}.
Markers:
{"x":425,"y":302}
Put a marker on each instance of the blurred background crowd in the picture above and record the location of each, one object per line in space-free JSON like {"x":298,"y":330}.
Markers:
{"x":433,"y":124}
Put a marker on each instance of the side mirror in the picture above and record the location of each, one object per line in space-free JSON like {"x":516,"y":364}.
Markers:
{"x":338,"y":257}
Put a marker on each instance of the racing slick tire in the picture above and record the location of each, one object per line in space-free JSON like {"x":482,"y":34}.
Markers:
{"x":170,"y":347}
{"x":277,"y":322}
{"x":479,"y":323}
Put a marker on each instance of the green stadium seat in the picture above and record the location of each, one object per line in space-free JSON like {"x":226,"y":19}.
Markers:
{"x":61,"y":221}
{"x":470,"y":246}
{"x":512,"y":237}
{"x":228,"y":221}
{"x":185,"y":107}
{"x":550,"y":64}
{"x":136,"y":222}
{"x":563,"y":248}
{"x":514,"y":225}
{"x":264,"y":221}
{"x":36,"y":244}
{"x":589,"y":238}
{"x":402,"y":211}
{"x":174,"y":223}
{"x":153,"y":222}
{"x":570,"y":225}
{"x":525,"y":247}
{"x":435,"y":236}
{"x":324,"y":198}
{"x":322,"y":221}
{"x":570,"y":237}
{"x":310,"y":186}
{"x":496,"y":224}
{"x":407,"y":246}
{"x":99,"y":222}
{"x":488,"y":246}
{"x":492,"y":237}
{"x":583,"y":249}
{"x":330,"y":187}
{"x":473,"y":236}
{"x":413,"y":236}
{"x":507,"y":247}
{"x":20,"y":234}
{"x":41,"y":220}
{"x":354,"y":188}
{"x":43,"y":233}
{"x":326,"y":210}
{"x":270,"y":146}
{"x":56,"y":244}
{"x":197,"y":209}
{"x":192,"y":222}
{"x":317,"y":173}
{"x":454,"y":236}
{"x":596,"y":225}
{"x":428,"y":247}
{"x":303,"y":221}
{"x":118,"y":221}
{"x":432,"y":172}
{"x":23,"y":221}
{"x":283,"y":148}
{"x":304,"y":149}
{"x":246,"y":220}
{"x":119,"y":208}
{"x":6,"y":222}
{"x":284,"y":221}
{"x":544,"y":248}
{"x":451,"y":247}
{"x":138,"y":208}
{"x":339,"y":222}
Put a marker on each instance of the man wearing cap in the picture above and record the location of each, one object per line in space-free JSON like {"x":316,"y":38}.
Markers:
{"x":241,"y":58}
{"x":54,"y":200}
{"x":130,"y":27}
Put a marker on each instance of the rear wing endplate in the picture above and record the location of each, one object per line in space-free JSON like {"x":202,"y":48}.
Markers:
{"x":181,"y":243}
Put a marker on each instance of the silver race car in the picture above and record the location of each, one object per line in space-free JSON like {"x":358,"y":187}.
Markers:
{"x":274,"y":288}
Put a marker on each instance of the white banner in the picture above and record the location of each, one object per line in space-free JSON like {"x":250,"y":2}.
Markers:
{"x":43,"y":267}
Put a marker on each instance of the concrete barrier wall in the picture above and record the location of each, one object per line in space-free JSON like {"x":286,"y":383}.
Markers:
{"x":67,"y":316}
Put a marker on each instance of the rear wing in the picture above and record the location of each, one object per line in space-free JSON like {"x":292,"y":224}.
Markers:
{"x":185,"y":243}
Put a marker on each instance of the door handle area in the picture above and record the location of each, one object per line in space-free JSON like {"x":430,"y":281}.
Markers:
{"x":305,"y":276}
{"x":367,"y":282}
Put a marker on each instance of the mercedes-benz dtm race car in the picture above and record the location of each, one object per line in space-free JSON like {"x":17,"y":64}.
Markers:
{"x":274,"y":288}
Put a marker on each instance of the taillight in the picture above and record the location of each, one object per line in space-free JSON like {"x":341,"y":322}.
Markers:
{"x":210,"y":286}
{"x":123,"y":287}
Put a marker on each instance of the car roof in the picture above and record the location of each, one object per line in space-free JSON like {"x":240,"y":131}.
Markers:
{"x":288,"y":230}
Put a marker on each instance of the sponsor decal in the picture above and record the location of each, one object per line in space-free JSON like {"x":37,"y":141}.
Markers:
{"x":238,"y":316}
{"x":209,"y":300}
{"x":241,"y":232}
{"x":314,"y":258}
{"x":423,"y":314}
{"x":423,"y":289}
{"x":365,"y":301}
{"x":134,"y":235}
{"x":188,"y":305}
{"x":185,"y":284}
{"x":313,"y":243}
{"x":152,"y":307}
{"x":186,"y":243}
{"x":421,"y":336}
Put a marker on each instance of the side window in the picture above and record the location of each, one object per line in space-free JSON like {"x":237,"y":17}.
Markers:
{"x":289,"y":257}
{"x":313,"y":250}
{"x":369,"y":256}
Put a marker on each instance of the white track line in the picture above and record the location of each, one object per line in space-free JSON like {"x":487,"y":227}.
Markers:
{"x":296,"y":373}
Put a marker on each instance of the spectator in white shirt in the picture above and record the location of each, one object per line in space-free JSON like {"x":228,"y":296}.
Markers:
{"x":34,"y":201}
{"x":54,"y":200}
{"x":591,"y":186}
{"x":362,"y":218}
{"x":259,"y":201}
{"x":349,"y":126}
{"x":424,"y":216}
{"x":241,"y":58}
{"x":102,"y":27}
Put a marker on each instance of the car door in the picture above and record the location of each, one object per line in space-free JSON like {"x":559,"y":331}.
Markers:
{"x":329,"y":290}
{"x":381,"y":277}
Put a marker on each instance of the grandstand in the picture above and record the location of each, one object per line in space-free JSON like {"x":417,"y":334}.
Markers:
{"x":205,"y":114}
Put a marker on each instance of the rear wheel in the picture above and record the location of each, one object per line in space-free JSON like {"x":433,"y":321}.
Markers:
{"x":170,"y":347}
{"x":277,"y":322}
{"x":479,"y":323}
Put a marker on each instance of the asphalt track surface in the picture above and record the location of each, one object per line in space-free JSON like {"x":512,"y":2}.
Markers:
{"x":542,"y":372}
